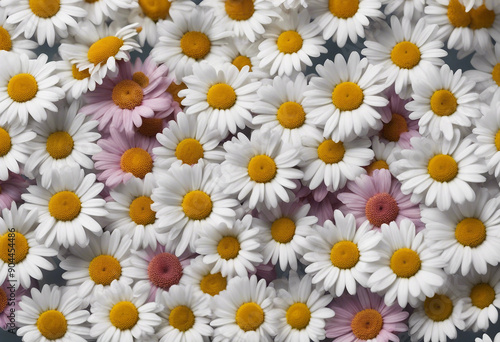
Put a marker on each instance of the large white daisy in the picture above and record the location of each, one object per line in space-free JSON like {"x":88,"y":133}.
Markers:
{"x":14,"y":147}
{"x":198,"y":275}
{"x":10,"y":42}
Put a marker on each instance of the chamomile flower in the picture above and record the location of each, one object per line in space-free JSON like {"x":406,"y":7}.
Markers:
{"x":487,"y":138}
{"x":338,"y":254}
{"x":54,"y":313}
{"x":199,"y":277}
{"x":241,"y":53}
{"x":73,"y":81}
{"x":486,"y":72}
{"x":345,"y":97}
{"x":67,"y":208}
{"x":99,"y":11}
{"x":11,"y":190}
{"x":14,"y":147}
{"x":407,"y":8}
{"x":384,"y":155}
{"x":9,"y":41}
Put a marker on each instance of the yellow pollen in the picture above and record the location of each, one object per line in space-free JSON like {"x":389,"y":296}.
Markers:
{"x":104,"y":48}
{"x":189,"y":151}
{"x":242,"y":61}
{"x":393,"y":129}
{"x":79,"y":75}
{"x":52,"y":324}
{"x":197,"y":205}
{"x":150,"y":127}
{"x":59,"y":145}
{"x":376,"y":165}
{"x":174,"y":89}
{"x":457,"y":15}
{"x":141,"y":79}
{"x":65,"y":206}
{"x":482,"y":295}
{"x":5,"y":142}
{"x":443,"y":103}
{"x":140,"y":211}
{"x":470,"y":232}
{"x":262,"y":169}
{"x":3,"y":300}
{"x":239,"y":9}
{"x":497,"y":141}
{"x":228,"y":247}
{"x":481,"y":17}
{"x":127,"y":94}
{"x":495,"y":74}
{"x":221,"y":96}
{"x":405,"y":55}
{"x":124,"y":315}
{"x":45,"y":8}
{"x":442,"y":168}
{"x":91,"y":1}
{"x":213,"y":284}
{"x":195,"y":44}
{"x":291,"y":115}
{"x":367,"y":324}
{"x":298,"y":316}
{"x":103,"y":269}
{"x":5,"y":41}
{"x":331,"y":152}
{"x":289,"y":42}
{"x":22,"y":87}
{"x":181,"y":318}
{"x":405,"y":263}
{"x":283,"y":230}
{"x":343,"y":9}
{"x":155,"y":9}
{"x":438,"y":308}
{"x":344,"y":255}
{"x":347,"y":96}
{"x":20,"y":245}
{"x":137,"y":161}
{"x":249,"y":316}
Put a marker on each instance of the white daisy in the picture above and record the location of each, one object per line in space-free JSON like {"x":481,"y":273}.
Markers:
{"x":345,"y":98}
{"x":241,"y":53}
{"x":9,"y":41}
{"x":100,"y":10}
{"x":486,"y":72}
{"x":73,"y":81}
{"x":68,"y":208}
{"x":407,"y":8}
{"x":383,"y":155}
{"x":487,"y":138}
{"x":14,"y":147}
{"x":198,"y":275}
{"x":407,"y":269}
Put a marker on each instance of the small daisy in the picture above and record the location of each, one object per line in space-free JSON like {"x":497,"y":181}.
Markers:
{"x":338,"y":254}
{"x":486,"y":72}
{"x":121,"y":312}
{"x":54,"y":313}
{"x":384,"y":155}
{"x":243,"y":311}
{"x":27,"y":88}
{"x":17,"y":44}
{"x":406,"y":8}
{"x":73,"y":81}
{"x":222,"y":97}
{"x":260,"y":169}
{"x":68,"y":209}
{"x":199,"y":277}
{"x":11,"y":190}
{"x":487,"y":138}
{"x":99,"y":11}
{"x":10,"y":297}
{"x":242,"y":53}
{"x":186,"y":316}
{"x":15,"y":145}
{"x":345,"y":98}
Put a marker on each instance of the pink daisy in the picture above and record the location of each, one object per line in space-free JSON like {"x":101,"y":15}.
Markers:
{"x":11,"y":190}
{"x":365,"y":317}
{"x":123,"y":157}
{"x":9,"y":299}
{"x":378,"y":199}
{"x":122,"y":101}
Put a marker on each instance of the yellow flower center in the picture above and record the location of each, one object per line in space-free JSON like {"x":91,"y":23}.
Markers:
{"x":291,"y":115}
{"x":141,"y":79}
{"x":181,"y":318}
{"x":104,"y":48}
{"x":228,"y":247}
{"x":239,"y":9}
{"x":405,"y":55}
{"x":221,"y":96}
{"x":127,"y":94}
{"x":5,"y":41}
{"x":298,"y":316}
{"x":103,"y":269}
{"x":405,"y":263}
{"x":124,"y":315}
{"x":442,"y":168}
{"x":52,"y":324}
{"x":3,"y":300}
{"x":174,"y":89}
{"x":262,"y":169}
{"x":283,"y":230}
{"x":22,"y":87}
{"x":367,"y":324}
{"x":79,"y":75}
{"x":438,"y":308}
{"x":213,"y":283}
{"x":344,"y":255}
{"x":45,"y":8}
{"x":497,"y":141}
{"x":20,"y":245}
{"x":347,"y":96}
{"x":482,"y":295}
{"x":150,"y":127}
{"x":242,"y":61}
{"x":140,"y":211}
{"x":376,"y":165}
{"x":457,"y":15}
{"x":189,"y":151}
{"x":65,"y":206}
{"x":481,"y":17}
{"x":470,"y":232}
{"x":155,"y":9}
{"x":249,"y":316}
{"x":59,"y":145}
{"x":331,"y":152}
{"x":393,"y":129}
{"x":289,"y":41}
{"x":343,"y":9}
{"x":137,"y":161}
{"x":195,"y":44}
{"x":495,"y":74}
{"x":443,"y":103}
{"x":197,"y":205}
{"x":5,"y":142}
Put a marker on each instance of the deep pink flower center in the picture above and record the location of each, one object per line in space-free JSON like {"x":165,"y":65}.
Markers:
{"x":381,"y":208}
{"x":165,"y":270}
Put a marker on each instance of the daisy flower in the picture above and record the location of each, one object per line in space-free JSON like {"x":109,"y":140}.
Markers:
{"x":407,"y":268}
{"x":48,"y":18}
{"x":64,"y":139}
{"x":487,"y":138}
{"x":280,"y":109}
{"x":384,"y":155}
{"x":243,"y":311}
{"x":341,"y":19}
{"x":9,"y":41}
{"x":121,"y":312}
{"x":338,"y":254}
{"x":405,"y":8}
{"x":231,"y":250}
{"x":186,"y":315}
{"x":14,"y":147}
{"x":67,"y":208}
{"x":199,"y":277}
{"x":100,"y":10}
{"x":345,"y":97}
{"x":438,"y":173}
{"x":74,"y":82}
{"x":27,"y":88}
{"x":242,"y":53}
{"x":405,"y":50}
{"x":486,"y":72}
{"x":54,"y":313}
{"x":378,"y":199}
{"x":11,"y":190}
{"x":10,"y":297}
{"x":260,"y":169}
{"x":222,"y":97}
{"x":365,"y":317}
